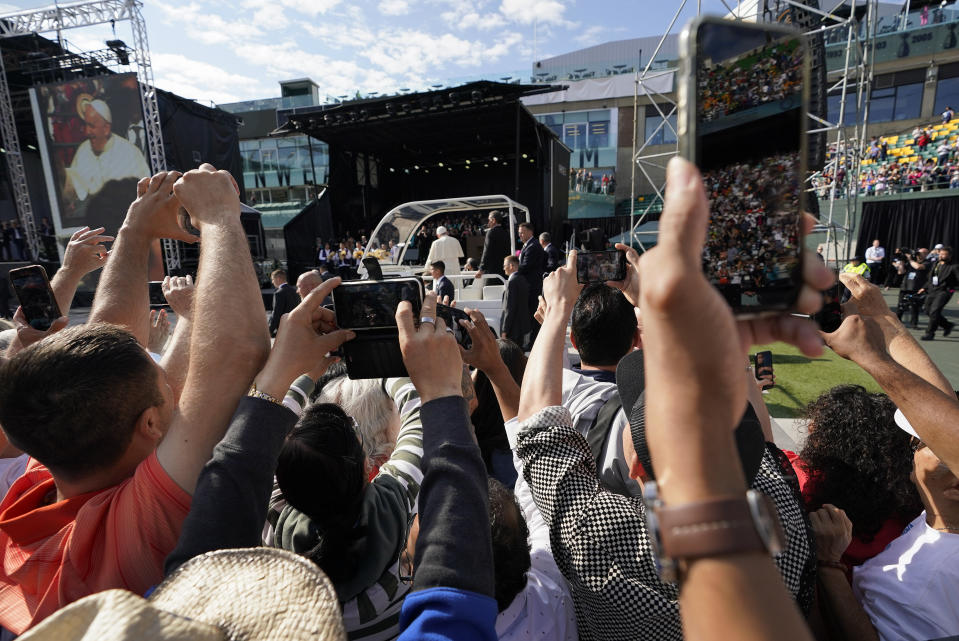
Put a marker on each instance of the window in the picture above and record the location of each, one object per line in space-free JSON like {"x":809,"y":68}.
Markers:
{"x":947,"y":94}
{"x":583,"y":129}
{"x":664,"y":135}
{"x":850,"y":114}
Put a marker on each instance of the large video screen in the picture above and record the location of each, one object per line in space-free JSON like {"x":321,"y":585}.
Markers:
{"x":94,"y":149}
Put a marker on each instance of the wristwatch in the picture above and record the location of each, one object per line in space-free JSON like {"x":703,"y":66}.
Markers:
{"x":709,"y":528}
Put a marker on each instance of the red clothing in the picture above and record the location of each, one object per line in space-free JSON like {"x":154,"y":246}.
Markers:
{"x":54,"y":554}
{"x":859,"y":551}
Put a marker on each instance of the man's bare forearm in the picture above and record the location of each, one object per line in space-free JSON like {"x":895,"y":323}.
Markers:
{"x":544,"y":370}
{"x":907,"y":352}
{"x":176,"y":358}
{"x":842,"y":607}
{"x":64,"y":285}
{"x":506,"y":391}
{"x":934,"y":414}
{"x":122,"y":296}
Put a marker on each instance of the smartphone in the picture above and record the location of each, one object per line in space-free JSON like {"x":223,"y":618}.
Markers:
{"x":369,"y":304}
{"x":32,"y":288}
{"x":451,"y":316}
{"x":600,"y":266}
{"x":829,"y":317}
{"x":763,"y":367}
{"x":743,"y":99}
{"x":157,"y":299}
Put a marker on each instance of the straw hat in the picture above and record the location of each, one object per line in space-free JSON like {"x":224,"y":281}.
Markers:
{"x":229,"y":595}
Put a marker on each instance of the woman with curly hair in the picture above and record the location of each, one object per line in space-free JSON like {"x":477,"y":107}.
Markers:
{"x":858,"y":460}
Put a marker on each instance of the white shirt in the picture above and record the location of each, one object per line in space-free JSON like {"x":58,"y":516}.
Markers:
{"x":119,"y":159}
{"x":910,"y":590}
{"x":544,"y":609}
{"x":875,"y":254}
{"x":10,"y":470}
{"x":448,"y":250}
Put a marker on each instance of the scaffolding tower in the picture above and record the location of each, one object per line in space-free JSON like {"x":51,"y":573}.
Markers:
{"x":72,"y":16}
{"x":846,"y":137}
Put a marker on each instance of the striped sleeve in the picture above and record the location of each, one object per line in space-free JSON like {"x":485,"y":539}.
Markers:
{"x":298,"y":396}
{"x":404,"y":462}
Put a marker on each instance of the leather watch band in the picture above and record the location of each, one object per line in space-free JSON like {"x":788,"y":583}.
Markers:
{"x":709,"y":528}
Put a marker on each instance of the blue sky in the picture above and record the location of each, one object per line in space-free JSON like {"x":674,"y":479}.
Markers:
{"x":230,"y":50}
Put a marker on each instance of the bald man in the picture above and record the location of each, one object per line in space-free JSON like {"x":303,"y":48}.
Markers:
{"x":307,"y":282}
{"x":103,"y":156}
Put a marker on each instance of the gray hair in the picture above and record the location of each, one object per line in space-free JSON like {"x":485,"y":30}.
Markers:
{"x":367,"y":402}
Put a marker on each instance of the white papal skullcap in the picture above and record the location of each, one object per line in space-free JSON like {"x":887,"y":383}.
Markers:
{"x":101,"y":108}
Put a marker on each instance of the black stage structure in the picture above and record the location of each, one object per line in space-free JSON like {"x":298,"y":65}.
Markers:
{"x":909,"y":222}
{"x":474,"y":139}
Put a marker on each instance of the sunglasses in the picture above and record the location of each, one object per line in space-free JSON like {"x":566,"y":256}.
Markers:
{"x":916,"y":444}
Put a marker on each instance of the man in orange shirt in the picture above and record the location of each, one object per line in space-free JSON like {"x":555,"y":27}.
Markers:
{"x":117,"y":443}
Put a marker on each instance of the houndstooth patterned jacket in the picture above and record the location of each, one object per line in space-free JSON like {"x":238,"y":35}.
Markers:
{"x":600,"y":542}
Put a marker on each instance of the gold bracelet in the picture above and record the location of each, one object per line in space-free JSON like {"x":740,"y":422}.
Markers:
{"x":255,"y":393}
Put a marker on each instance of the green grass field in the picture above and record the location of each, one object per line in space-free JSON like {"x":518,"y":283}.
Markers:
{"x":800,"y":379}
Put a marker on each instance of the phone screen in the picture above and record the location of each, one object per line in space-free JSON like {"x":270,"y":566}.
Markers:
{"x":749,"y":146}
{"x":157,"y":299}
{"x":372,"y":304}
{"x":598,"y":267}
{"x":36,"y":298}
{"x":763,"y":368}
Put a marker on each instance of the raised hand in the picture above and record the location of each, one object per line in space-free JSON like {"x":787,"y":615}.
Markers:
{"x":154,"y":213}
{"x":27,"y":335}
{"x":304,"y":340}
{"x":178,"y":291}
{"x":484,"y":353}
{"x":430,"y":352}
{"x":159,"y":331}
{"x":209,"y":196}
{"x":629,"y":285}
{"x":85,"y":251}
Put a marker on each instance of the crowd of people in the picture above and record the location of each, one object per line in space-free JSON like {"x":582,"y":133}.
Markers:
{"x":583,"y":180}
{"x":216,"y":485}
{"x":759,"y":77}
{"x":753,"y":235}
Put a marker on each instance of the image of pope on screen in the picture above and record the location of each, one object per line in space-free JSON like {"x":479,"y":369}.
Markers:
{"x":93,"y":147}
{"x":103,"y":156}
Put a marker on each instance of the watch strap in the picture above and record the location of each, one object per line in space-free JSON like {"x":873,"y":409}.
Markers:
{"x":709,"y":528}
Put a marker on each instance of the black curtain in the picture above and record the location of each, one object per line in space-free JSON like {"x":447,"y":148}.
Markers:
{"x":301,"y":233}
{"x":910,"y":223}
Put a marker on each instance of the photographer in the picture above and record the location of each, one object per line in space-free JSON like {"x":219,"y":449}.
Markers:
{"x":915,"y":271}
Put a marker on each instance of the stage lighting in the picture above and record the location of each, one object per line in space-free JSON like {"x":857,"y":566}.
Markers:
{"x":450,"y":168}
{"x":120,"y":49}
{"x":392,"y":170}
{"x":495,"y":159}
{"x":467,"y":161}
{"x":454,"y":97}
{"x":525,"y":156}
{"x":441,"y":164}
{"x":486,"y":164}
{"x":416,"y":167}
{"x":476,"y":95}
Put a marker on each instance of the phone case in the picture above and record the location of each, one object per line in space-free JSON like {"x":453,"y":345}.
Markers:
{"x":687,"y":129}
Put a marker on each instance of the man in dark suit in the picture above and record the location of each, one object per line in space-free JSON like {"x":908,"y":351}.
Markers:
{"x":442,"y":285}
{"x":495,"y":247}
{"x":532,"y":262}
{"x":284,"y":299}
{"x":943,"y":279}
{"x":516,"y":321}
{"x":326,"y":271}
{"x":554,"y":257}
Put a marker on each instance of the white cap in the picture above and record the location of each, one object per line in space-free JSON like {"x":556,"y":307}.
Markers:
{"x":441,"y":231}
{"x":938,"y":246}
{"x":904,"y":423}
{"x":101,"y":108}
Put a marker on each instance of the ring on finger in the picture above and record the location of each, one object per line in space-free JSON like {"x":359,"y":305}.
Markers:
{"x":427,"y":319}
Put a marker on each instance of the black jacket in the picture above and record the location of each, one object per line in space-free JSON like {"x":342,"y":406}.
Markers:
{"x":948,"y":277}
{"x":495,"y":249}
{"x":532,"y":265}
{"x":444,"y":287}
{"x":285,"y":299}
{"x":554,"y":257}
{"x":516,"y":317}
